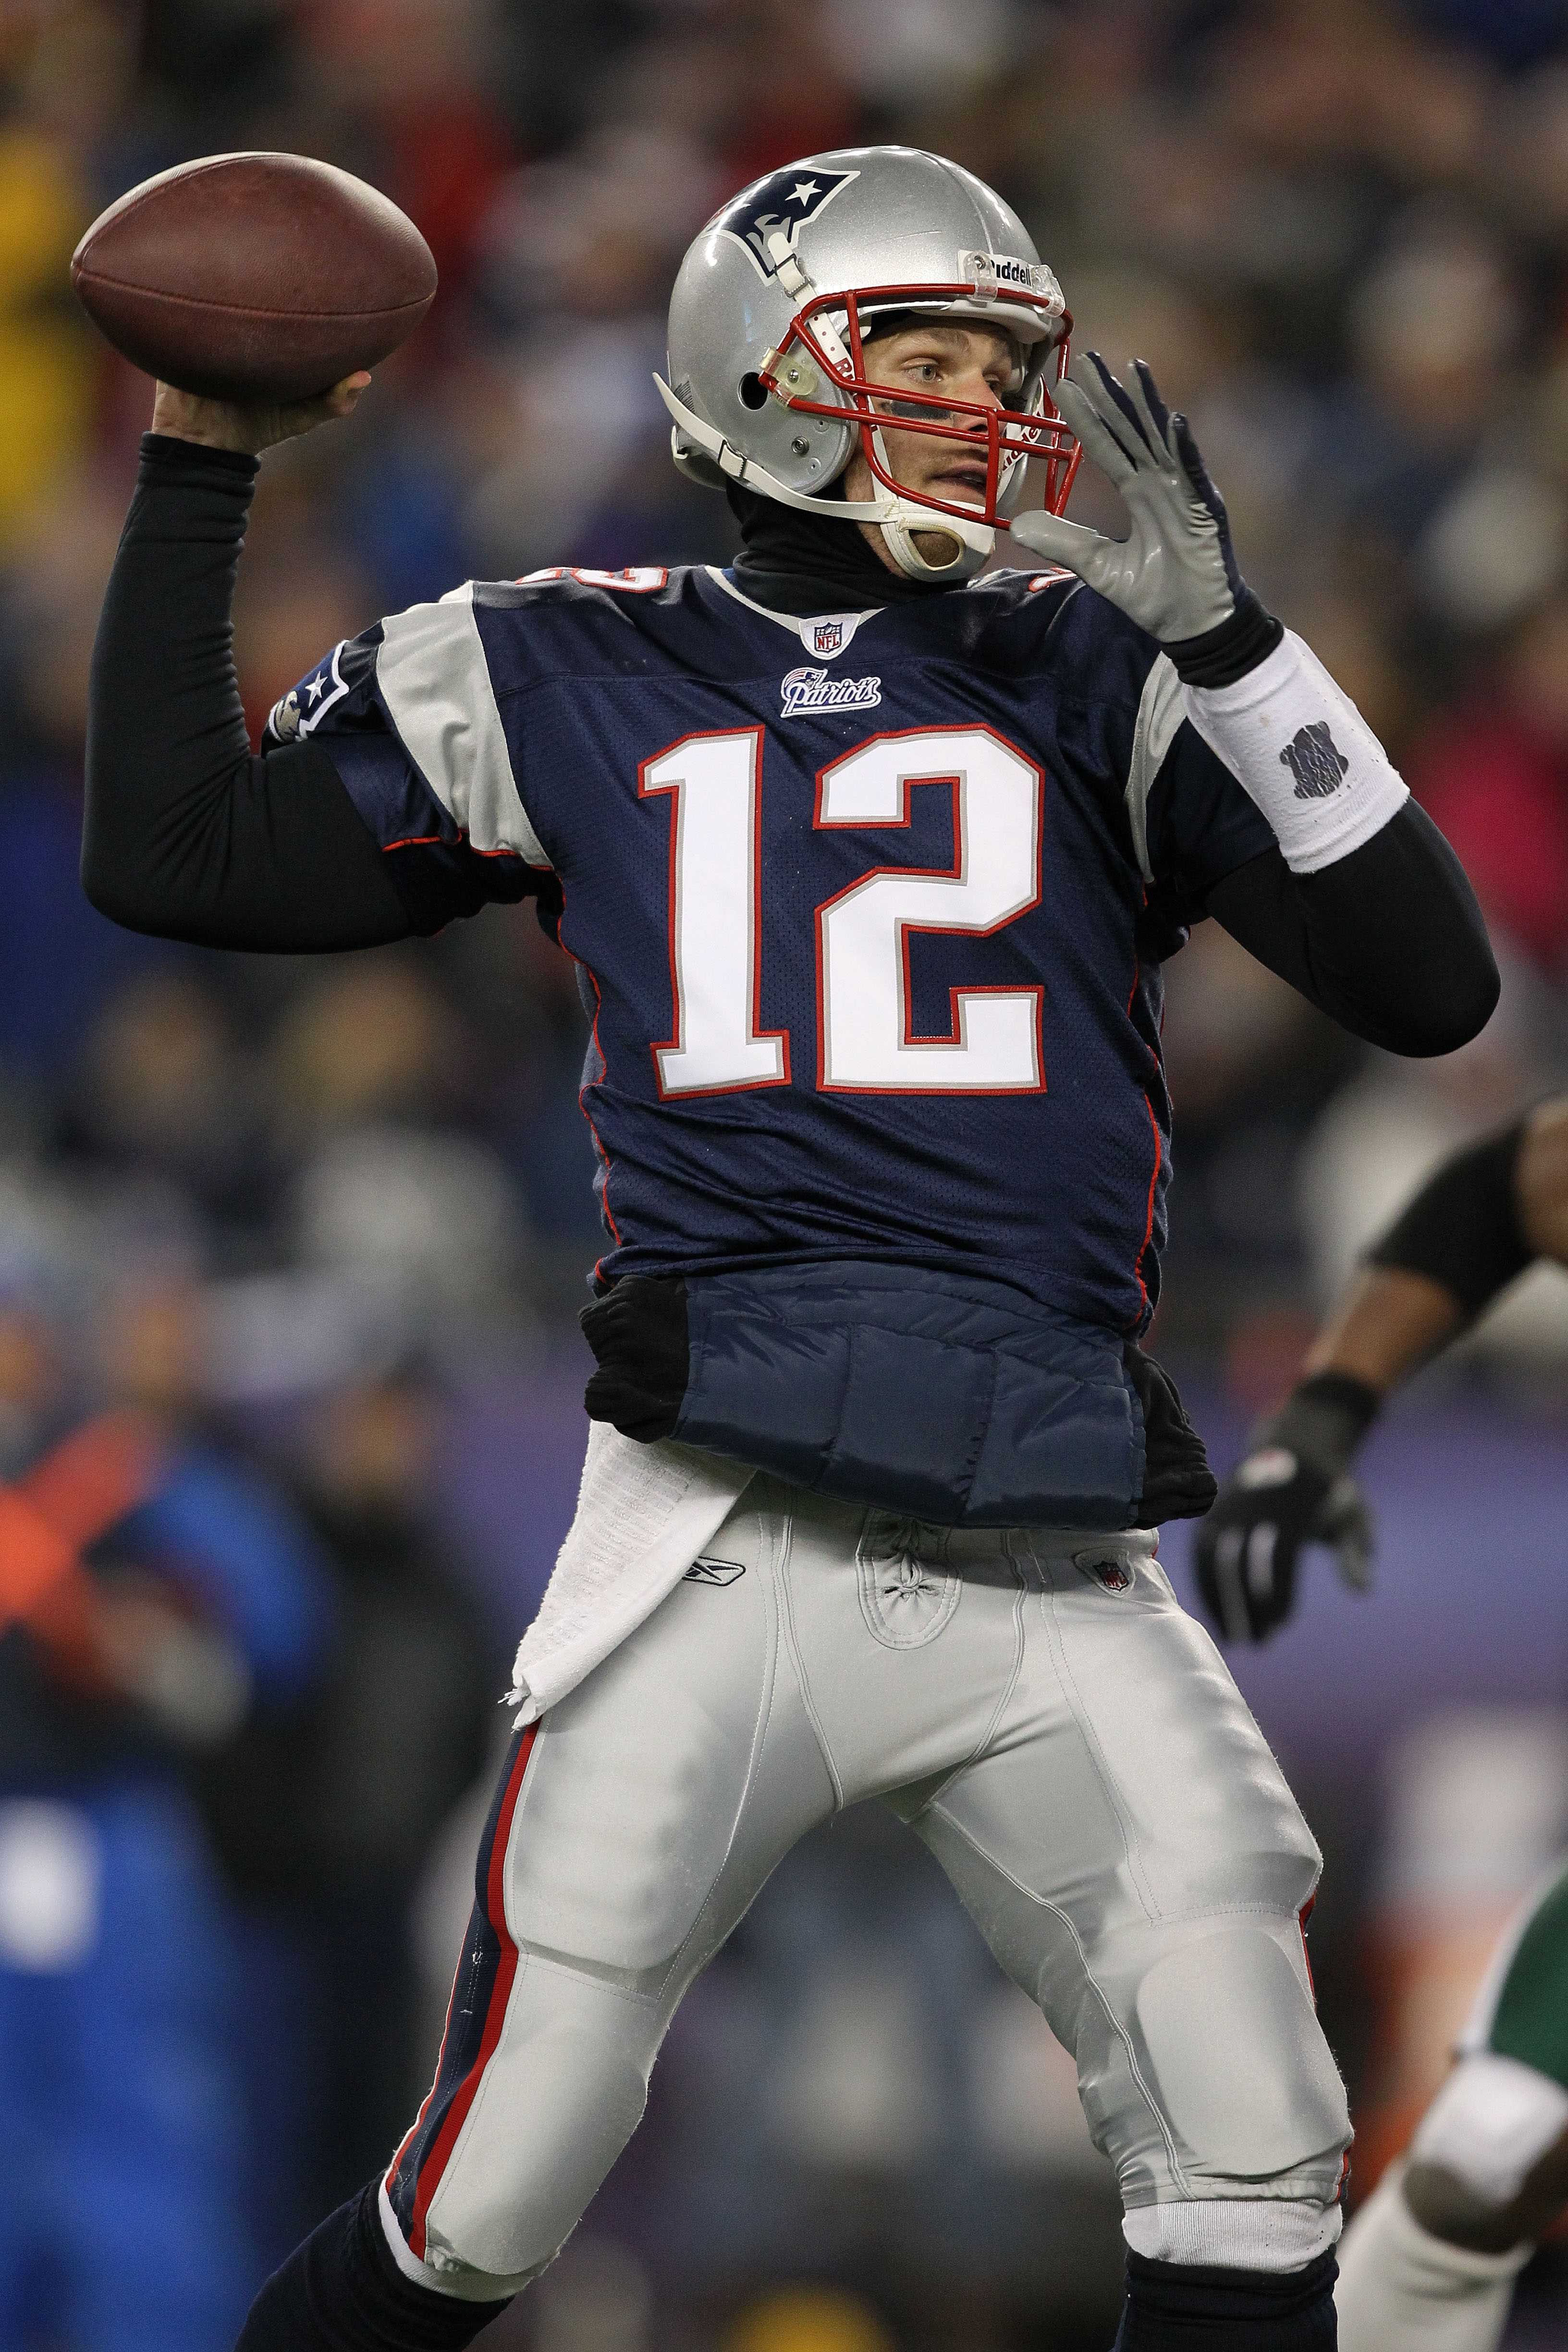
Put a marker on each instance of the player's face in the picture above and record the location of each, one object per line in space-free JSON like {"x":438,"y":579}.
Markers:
{"x":971,"y":363}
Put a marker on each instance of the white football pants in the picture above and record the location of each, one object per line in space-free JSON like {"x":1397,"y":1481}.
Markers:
{"x":1067,"y":1743}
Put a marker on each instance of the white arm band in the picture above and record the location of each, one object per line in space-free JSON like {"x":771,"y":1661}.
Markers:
{"x":1302,"y":749}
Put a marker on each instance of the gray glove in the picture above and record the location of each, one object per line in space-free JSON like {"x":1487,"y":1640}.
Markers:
{"x":1175,"y":575}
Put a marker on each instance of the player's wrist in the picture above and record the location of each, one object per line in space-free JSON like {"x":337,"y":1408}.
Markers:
{"x":1302,"y":752}
{"x":1222,"y":655}
{"x":175,"y":453}
{"x":1324,"y":1421}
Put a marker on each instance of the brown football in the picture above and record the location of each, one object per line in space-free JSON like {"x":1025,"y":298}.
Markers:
{"x":254,"y":277}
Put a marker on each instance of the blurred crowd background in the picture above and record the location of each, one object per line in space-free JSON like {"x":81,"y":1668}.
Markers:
{"x":290,"y":1252}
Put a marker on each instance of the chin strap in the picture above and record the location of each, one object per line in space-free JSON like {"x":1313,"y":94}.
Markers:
{"x":972,"y":542}
{"x":897,"y":517}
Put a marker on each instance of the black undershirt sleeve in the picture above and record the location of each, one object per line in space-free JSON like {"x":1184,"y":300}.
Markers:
{"x":189,"y":833}
{"x":1388,"y":941}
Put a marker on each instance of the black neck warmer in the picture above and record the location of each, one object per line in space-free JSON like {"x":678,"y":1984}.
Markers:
{"x":801,"y":564}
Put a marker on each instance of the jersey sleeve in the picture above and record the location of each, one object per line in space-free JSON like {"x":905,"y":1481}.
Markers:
{"x":1192,"y":823}
{"x":407,"y":715}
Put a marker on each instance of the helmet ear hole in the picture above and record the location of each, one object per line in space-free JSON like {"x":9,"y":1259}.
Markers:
{"x":753,"y":391}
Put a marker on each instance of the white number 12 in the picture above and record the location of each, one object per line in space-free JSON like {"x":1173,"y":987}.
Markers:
{"x":865,"y":1042}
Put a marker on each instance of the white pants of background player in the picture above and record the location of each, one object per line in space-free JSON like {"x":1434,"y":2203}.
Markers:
{"x":1062,"y":1737}
{"x":1501,"y":2110}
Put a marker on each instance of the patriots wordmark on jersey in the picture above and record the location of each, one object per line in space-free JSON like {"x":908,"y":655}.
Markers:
{"x":868,"y":908}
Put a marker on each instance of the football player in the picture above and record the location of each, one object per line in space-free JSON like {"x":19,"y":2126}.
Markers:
{"x":869,"y":861}
{"x":1431,"y":2259}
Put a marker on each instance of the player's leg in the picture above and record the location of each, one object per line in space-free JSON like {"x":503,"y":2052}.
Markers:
{"x":630,"y":1831}
{"x":1431,"y":2259}
{"x":1128,"y":1848}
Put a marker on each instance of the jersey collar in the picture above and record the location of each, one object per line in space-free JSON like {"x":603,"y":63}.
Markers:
{"x":823,"y":635}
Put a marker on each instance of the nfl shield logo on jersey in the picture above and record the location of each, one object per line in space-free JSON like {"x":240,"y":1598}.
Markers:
{"x":827,"y":637}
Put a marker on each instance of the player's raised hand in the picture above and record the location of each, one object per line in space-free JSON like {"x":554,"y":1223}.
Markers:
{"x":1294,"y":1487}
{"x":1175,"y":573}
{"x":250,"y":427}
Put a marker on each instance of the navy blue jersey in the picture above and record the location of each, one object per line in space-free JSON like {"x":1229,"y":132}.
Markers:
{"x":868,"y":908}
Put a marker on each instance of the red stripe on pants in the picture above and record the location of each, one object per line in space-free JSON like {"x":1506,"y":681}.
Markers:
{"x":446,"y":2138}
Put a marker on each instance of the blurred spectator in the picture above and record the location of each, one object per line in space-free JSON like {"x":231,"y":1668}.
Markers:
{"x":153,"y":1593}
{"x":163,"y":1095}
{"x":369,"y":1068}
{"x":1493,"y":772}
{"x":326,"y":1812}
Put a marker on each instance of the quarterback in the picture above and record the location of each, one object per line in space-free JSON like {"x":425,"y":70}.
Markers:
{"x":868,"y":860}
{"x":1431,"y":2259}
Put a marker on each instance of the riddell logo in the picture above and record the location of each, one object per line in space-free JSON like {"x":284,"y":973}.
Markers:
{"x":986,"y":270}
{"x":813,"y":689}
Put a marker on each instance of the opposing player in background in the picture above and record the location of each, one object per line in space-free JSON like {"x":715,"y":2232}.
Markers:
{"x":869,"y":863}
{"x":1431,"y":2260}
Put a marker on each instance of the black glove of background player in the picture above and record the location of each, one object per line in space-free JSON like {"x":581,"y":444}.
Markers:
{"x":1294,"y":1487}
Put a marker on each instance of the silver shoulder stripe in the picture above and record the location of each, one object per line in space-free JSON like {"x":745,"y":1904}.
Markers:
{"x":436,"y":683}
{"x":1160,"y":710}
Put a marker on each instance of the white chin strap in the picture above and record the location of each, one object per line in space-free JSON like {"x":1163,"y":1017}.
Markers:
{"x":899,"y":519}
{"x":971,"y":542}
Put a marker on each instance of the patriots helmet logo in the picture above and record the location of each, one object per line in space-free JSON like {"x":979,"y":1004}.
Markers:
{"x":778,"y":206}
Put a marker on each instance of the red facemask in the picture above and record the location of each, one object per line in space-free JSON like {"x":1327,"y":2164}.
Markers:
{"x":821,"y":372}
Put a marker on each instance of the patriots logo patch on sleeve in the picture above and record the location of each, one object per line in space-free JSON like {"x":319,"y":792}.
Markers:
{"x":768,"y":216}
{"x":303,"y":708}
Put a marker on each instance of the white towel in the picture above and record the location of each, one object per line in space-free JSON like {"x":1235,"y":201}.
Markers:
{"x":644,"y":1513}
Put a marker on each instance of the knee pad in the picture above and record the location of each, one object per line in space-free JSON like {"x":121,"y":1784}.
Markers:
{"x":1491,"y":2124}
{"x":1238,"y":2068}
{"x":447,"y":2274}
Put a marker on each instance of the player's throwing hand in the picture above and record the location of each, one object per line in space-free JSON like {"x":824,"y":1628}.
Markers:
{"x":246,"y":427}
{"x":1175,"y":573}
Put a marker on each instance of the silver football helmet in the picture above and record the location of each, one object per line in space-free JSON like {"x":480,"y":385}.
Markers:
{"x":767,"y":324}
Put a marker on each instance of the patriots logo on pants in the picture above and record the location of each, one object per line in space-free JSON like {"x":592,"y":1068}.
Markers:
{"x":768,"y":216}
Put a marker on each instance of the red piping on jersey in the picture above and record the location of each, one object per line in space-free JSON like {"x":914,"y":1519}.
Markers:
{"x":439,"y":840}
{"x":436,"y":2162}
{"x":1159,"y":1150}
{"x":583,"y":1090}
{"x":1149,"y":1220}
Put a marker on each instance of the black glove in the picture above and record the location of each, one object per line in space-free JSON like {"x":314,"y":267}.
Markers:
{"x":637,"y":1331}
{"x":1294,"y":1487}
{"x":1177,"y":1481}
